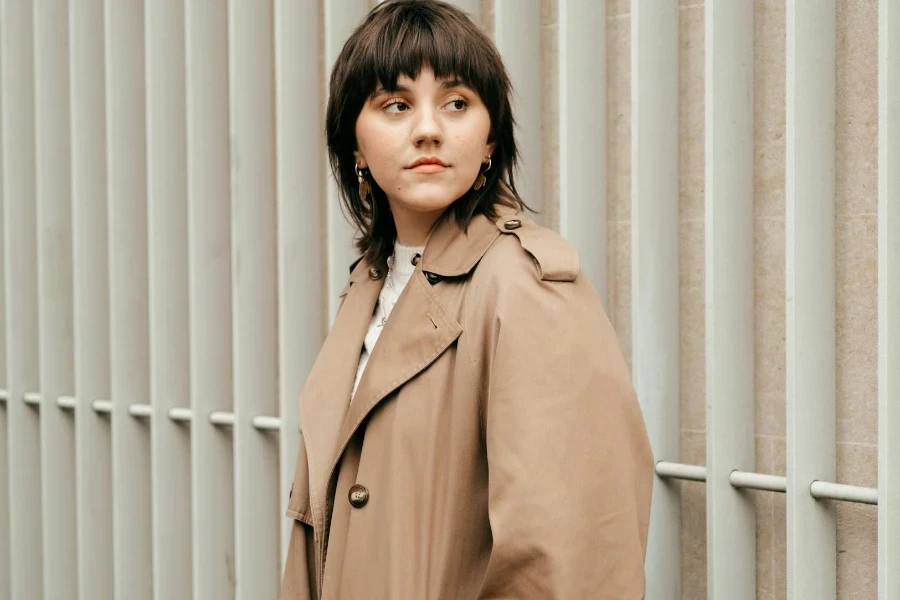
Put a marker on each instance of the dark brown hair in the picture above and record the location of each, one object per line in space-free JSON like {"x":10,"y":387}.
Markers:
{"x":399,"y":37}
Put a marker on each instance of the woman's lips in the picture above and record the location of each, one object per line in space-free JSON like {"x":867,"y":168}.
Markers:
{"x":429,"y":168}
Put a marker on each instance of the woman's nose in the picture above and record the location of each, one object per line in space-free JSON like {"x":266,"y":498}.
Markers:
{"x":428,"y":129}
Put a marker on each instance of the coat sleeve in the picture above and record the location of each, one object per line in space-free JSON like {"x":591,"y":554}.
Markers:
{"x":569,"y":464}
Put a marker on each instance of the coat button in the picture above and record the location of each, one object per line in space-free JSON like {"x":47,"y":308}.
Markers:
{"x":432,"y":278}
{"x":374,"y":273}
{"x":358,"y":496}
{"x":415,"y":259}
{"x":512,"y":224}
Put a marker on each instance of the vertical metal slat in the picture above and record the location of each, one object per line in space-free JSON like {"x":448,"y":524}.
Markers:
{"x":54,"y":237}
{"x":517,"y":34}
{"x":168,"y":287}
{"x":582,"y":116}
{"x":4,"y":421}
{"x":654,"y":263}
{"x":888,"y":301}
{"x":341,"y":17}
{"x":20,"y":253}
{"x":301,"y":171}
{"x":93,"y":457}
{"x":730,"y":514}
{"x":810,"y":310}
{"x":209,"y":224}
{"x":129,"y":335}
{"x":251,"y":92}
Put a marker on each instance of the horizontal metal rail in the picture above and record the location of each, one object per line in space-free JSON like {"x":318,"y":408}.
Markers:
{"x":758,"y":481}
{"x":681,"y":471}
{"x":821,"y":490}
{"x":178,"y":414}
{"x":824,"y":490}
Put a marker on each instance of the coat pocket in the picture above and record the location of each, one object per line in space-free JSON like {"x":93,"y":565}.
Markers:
{"x":299,"y":581}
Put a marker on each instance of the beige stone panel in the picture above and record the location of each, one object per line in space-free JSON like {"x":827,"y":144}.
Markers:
{"x":856,"y":272}
{"x":769,"y":107}
{"x":856,"y":107}
{"x":857,"y":525}
{"x":690,"y":112}
{"x":487,"y":17}
{"x":619,"y":283}
{"x":769,"y":325}
{"x":693,"y":520}
{"x":692,"y":325}
{"x":550,"y":126}
{"x":618,"y":115}
{"x":765,"y":531}
{"x":549,"y":12}
{"x":617,"y":8}
{"x":779,"y":523}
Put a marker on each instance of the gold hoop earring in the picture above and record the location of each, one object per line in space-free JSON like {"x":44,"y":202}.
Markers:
{"x":481,"y":179}
{"x":363,"y":183}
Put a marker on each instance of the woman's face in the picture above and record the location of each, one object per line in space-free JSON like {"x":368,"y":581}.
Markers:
{"x":424,"y":144}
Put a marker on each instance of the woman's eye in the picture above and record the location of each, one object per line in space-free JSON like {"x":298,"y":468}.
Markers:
{"x":458,"y":104}
{"x":396,"y":106}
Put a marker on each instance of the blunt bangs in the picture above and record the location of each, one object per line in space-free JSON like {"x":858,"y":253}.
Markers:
{"x":401,"y":37}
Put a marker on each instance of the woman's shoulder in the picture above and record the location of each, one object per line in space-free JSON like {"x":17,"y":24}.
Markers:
{"x":524,"y":246}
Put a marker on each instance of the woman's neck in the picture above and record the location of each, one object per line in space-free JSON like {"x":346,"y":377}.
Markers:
{"x":413,"y":228}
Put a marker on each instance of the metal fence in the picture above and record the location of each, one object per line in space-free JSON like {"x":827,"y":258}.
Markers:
{"x":173,"y":248}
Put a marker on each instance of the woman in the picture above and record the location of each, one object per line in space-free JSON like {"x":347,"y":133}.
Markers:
{"x":469,"y":427}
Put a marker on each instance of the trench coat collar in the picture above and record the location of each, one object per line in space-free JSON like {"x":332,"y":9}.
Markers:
{"x":421,"y":327}
{"x":450,"y":251}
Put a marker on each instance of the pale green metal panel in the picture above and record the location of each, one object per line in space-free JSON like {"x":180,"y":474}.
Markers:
{"x":20,"y":254}
{"x":582,"y":134}
{"x":341,"y":17}
{"x":254,"y":289}
{"x":209,"y":256}
{"x":168,"y":302}
{"x":730,"y":400}
{"x":888,"y":301}
{"x":654,"y":268}
{"x":517,"y":34}
{"x":4,"y":422}
{"x":54,"y":236}
{"x":810,"y":310}
{"x":302,"y":308}
{"x":129,"y":316}
{"x":93,"y":452}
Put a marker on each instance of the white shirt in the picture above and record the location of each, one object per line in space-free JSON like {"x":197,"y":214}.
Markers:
{"x":399,"y":276}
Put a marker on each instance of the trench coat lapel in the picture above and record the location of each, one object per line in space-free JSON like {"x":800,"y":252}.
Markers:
{"x":418,"y":331}
{"x":421,"y":328}
{"x":326,"y":393}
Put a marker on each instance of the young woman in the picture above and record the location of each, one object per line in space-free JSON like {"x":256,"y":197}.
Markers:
{"x":469,"y":427}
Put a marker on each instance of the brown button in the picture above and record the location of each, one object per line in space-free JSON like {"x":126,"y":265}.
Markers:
{"x":374,"y":273}
{"x":512,"y":224}
{"x":358,"y":496}
{"x":432,"y":278}
{"x":415,"y":259}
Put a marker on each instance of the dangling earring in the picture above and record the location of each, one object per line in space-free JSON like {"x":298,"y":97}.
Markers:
{"x":481,"y":179}
{"x":363,"y":183}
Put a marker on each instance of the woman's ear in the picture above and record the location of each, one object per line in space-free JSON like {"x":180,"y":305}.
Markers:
{"x":360,"y":161}
{"x":489,"y":149}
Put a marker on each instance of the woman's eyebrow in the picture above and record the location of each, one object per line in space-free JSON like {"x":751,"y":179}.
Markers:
{"x":393,"y":90}
{"x":452,"y":83}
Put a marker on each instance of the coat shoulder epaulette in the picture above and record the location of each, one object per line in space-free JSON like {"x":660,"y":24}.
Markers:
{"x":554,"y":257}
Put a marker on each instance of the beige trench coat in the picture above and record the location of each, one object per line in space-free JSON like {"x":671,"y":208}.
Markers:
{"x":494,"y":447}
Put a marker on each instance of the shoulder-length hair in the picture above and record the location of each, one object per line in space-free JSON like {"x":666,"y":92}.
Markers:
{"x":400,"y":37}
